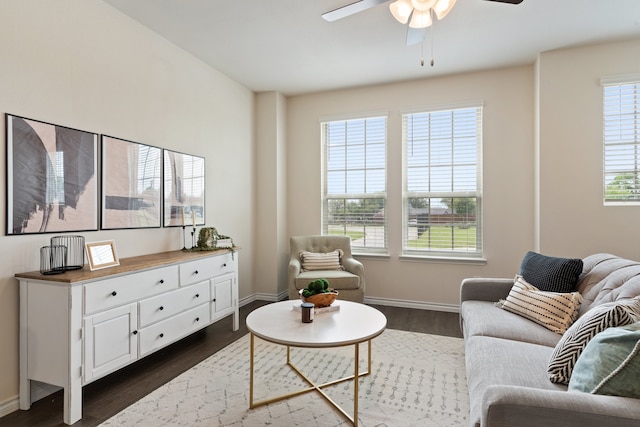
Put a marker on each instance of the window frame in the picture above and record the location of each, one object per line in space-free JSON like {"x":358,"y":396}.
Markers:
{"x":326,"y":196}
{"x":612,"y":137}
{"x":446,"y":254}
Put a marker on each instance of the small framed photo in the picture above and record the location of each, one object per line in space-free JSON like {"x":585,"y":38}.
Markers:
{"x":102,"y":254}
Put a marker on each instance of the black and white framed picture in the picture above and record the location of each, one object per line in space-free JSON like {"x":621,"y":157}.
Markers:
{"x":51,"y":177}
{"x":183,"y":189}
{"x":131,"y":184}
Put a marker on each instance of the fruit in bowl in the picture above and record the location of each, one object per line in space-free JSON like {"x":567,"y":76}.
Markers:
{"x":319,"y":293}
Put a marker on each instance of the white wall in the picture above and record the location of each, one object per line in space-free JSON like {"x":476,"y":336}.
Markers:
{"x":82,"y":64}
{"x":573,"y":220}
{"x":507,"y":95}
{"x":271,"y":195}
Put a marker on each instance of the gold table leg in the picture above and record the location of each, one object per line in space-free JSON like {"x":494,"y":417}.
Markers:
{"x":312,"y":386}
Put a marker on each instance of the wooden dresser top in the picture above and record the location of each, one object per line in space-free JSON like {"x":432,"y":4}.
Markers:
{"x":127,"y":265}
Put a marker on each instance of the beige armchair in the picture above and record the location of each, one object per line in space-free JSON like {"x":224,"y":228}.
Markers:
{"x":347,"y":278}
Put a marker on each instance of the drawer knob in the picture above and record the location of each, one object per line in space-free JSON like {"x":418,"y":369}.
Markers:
{"x":135,"y":332}
{"x":161,"y":308}
{"x":161,"y":335}
{"x":195,"y":272}
{"x":197,"y":295}
{"x":114,"y":293}
{"x":224,"y":265}
{"x":161,"y":281}
{"x":197,"y":319}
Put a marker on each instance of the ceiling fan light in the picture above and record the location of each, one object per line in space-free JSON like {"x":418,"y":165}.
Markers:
{"x":442,"y":7}
{"x":401,"y":10}
{"x":422,"y":5}
{"x":420,"y":19}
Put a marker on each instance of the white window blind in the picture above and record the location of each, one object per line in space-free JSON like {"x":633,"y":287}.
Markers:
{"x":354,"y":180}
{"x":621,"y":136}
{"x":442,"y":176}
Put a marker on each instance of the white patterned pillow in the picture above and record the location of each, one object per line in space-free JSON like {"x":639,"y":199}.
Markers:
{"x":321,"y":261}
{"x":553,"y":310}
{"x":573,"y":342}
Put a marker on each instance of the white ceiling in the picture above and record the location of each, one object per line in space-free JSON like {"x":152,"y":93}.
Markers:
{"x":285,"y":45}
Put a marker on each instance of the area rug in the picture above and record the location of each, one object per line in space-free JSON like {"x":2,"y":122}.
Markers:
{"x":416,"y":380}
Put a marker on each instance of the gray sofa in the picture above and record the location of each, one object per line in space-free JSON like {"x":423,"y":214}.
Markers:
{"x":507,"y":355}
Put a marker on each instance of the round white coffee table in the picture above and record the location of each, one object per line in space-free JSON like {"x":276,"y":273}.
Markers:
{"x":352,"y":324}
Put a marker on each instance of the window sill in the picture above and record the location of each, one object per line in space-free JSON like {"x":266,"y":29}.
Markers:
{"x":371,"y":255}
{"x":443,"y":259}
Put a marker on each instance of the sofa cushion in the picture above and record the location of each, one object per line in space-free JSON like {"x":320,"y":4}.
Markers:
{"x":313,"y":261}
{"x":555,"y":311}
{"x":338,"y":279}
{"x":483,"y":318}
{"x":551,"y":274}
{"x":610,"y":363}
{"x":491,"y":361}
{"x":607,"y":278}
{"x":596,"y":320}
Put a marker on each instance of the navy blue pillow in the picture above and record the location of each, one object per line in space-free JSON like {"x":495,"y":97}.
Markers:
{"x":551,"y":274}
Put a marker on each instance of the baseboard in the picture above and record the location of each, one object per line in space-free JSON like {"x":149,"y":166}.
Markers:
{"x":39,"y":390}
{"x":9,"y":406}
{"x":257,"y":297}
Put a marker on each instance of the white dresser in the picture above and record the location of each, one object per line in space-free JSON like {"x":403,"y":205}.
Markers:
{"x":81,"y":325}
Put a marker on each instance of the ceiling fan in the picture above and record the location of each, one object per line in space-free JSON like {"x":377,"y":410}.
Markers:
{"x":418,"y":13}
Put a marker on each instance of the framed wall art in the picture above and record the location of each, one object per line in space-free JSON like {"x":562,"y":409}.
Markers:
{"x":183,"y":189}
{"x":51,"y":177}
{"x":131,"y":184}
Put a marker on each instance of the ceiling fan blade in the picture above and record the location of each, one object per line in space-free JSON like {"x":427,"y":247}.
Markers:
{"x":508,"y":1}
{"x":351,"y":9}
{"x":415,"y":35}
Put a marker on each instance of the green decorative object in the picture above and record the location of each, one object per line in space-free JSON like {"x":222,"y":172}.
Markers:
{"x":318,"y":293}
{"x":209,"y":240}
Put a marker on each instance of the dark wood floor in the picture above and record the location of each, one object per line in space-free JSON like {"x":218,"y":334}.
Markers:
{"x":106,"y":397}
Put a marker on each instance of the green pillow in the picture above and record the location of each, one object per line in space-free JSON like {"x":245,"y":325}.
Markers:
{"x":610,"y":363}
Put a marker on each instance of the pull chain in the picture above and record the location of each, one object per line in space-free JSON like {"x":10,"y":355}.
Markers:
{"x":431,"y":37}
{"x":422,"y":57}
{"x":431,"y":44}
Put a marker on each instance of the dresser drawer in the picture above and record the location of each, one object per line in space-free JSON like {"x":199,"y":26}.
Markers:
{"x":121,"y":290}
{"x":196,"y":271}
{"x":163,"y":306}
{"x":172,"y":329}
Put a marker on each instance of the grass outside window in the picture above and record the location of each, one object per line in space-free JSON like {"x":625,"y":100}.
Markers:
{"x":445,"y":238}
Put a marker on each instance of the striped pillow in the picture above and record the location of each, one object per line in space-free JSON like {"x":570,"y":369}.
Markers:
{"x":321,"y":261}
{"x":597,"y":319}
{"x":555,"y":311}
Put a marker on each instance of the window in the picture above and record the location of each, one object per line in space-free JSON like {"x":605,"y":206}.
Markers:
{"x":621,"y":136}
{"x":442,"y":183}
{"x":354,"y":181}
